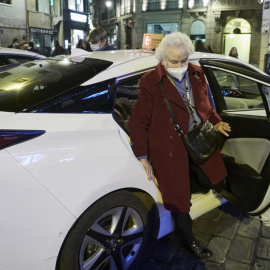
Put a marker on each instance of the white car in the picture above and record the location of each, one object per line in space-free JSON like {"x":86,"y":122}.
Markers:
{"x":14,"y":57}
{"x":72,"y":194}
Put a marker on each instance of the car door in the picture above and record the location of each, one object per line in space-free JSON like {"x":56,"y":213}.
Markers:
{"x":242,"y":99}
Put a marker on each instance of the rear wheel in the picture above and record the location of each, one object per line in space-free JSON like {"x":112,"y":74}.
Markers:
{"x":112,"y":234}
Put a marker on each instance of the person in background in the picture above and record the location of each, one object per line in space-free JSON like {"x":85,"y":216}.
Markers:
{"x":15,"y":40}
{"x":79,"y":44}
{"x":86,"y":46}
{"x":25,"y":46}
{"x":98,"y":40}
{"x":233,"y":52}
{"x":16,"y":46}
{"x":68,"y":50}
{"x":58,"y":49}
{"x":209,"y":48}
{"x":31,"y":46}
{"x":158,"y":146}
{"x":199,"y":46}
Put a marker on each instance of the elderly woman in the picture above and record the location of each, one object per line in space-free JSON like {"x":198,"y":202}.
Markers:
{"x":155,"y":142}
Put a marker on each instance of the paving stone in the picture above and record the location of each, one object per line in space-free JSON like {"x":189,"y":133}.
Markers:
{"x":241,"y":249}
{"x":266,"y":231}
{"x":184,"y":264}
{"x":219,"y":246}
{"x":249,"y":227}
{"x":214,"y":215}
{"x":227,"y":226}
{"x":262,"y":265}
{"x":203,"y":229}
{"x":263,"y":250}
{"x":213,"y":266}
{"x":231,"y":265}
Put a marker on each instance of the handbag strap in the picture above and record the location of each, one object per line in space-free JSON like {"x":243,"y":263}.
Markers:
{"x":168,"y":104}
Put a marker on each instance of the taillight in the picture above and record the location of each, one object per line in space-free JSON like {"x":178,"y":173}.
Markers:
{"x":11,"y":137}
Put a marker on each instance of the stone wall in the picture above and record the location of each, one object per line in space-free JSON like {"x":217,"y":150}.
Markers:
{"x":12,"y":22}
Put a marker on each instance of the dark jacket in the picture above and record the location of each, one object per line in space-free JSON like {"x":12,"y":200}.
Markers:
{"x":59,"y":50}
{"x":152,"y":134}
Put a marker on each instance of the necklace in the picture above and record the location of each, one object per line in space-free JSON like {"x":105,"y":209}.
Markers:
{"x":187,"y":100}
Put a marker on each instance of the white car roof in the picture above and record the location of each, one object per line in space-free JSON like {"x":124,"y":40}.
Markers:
{"x":127,"y":62}
{"x":20,"y":52}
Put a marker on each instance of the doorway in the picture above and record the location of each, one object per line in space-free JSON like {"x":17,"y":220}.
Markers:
{"x":237,"y":33}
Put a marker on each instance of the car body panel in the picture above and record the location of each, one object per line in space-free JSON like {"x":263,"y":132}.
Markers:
{"x":37,"y":221}
{"x":9,"y":51}
{"x":48,"y":182}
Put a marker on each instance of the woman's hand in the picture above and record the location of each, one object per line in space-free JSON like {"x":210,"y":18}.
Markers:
{"x":223,"y":127}
{"x":148,"y":168}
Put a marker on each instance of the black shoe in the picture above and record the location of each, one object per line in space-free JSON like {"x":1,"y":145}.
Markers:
{"x":199,"y":251}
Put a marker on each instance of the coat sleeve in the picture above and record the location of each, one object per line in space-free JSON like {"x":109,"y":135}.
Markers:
{"x":141,"y":116}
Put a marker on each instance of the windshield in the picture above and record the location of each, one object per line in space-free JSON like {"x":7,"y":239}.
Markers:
{"x":38,"y":81}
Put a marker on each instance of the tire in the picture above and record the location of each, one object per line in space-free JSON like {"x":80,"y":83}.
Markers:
{"x":112,"y":234}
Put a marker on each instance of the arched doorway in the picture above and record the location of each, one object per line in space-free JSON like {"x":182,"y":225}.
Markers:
{"x":197,"y":31}
{"x":237,"y":33}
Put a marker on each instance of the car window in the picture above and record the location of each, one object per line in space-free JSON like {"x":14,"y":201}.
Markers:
{"x":43,"y":84}
{"x":240,"y":93}
{"x":97,"y":98}
{"x":126,"y":97}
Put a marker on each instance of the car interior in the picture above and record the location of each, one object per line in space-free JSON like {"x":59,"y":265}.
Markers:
{"x":245,"y":152}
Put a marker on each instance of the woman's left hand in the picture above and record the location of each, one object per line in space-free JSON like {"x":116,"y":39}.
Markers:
{"x":223,"y":128}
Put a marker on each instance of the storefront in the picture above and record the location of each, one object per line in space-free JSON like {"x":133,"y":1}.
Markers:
{"x":76,"y":27}
{"x":42,"y":39}
{"x":162,"y":28}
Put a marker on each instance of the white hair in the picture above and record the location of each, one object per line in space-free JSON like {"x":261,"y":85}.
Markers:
{"x":176,"y":39}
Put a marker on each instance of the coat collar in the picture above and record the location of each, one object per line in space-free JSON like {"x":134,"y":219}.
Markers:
{"x":169,"y":91}
{"x":193,"y":70}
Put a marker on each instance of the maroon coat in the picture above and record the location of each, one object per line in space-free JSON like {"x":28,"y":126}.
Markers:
{"x":152,"y":134}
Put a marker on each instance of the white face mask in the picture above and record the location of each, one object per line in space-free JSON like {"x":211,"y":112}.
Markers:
{"x":178,"y":73}
{"x":94,"y":47}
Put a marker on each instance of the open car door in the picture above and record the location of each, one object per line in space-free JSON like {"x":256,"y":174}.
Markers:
{"x":242,"y":99}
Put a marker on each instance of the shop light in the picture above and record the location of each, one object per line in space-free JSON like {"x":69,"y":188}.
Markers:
{"x":108,"y":4}
{"x":78,"y":17}
{"x":205,"y":3}
{"x":190,"y":3}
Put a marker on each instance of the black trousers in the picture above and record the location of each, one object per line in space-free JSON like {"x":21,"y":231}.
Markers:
{"x":183,"y":227}
{"x":199,"y":182}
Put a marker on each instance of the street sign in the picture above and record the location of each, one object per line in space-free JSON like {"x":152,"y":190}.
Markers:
{"x":151,"y":41}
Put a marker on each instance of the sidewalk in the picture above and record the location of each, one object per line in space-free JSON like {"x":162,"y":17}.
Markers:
{"x":238,"y":241}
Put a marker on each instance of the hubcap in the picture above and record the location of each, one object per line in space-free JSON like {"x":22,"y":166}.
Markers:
{"x":113,"y":241}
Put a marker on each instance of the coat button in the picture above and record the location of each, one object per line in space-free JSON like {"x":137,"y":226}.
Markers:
{"x":170,"y":154}
{"x":171,"y":138}
{"x":171,"y":121}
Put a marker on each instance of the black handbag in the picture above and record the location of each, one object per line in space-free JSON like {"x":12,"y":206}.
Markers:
{"x":201,"y":143}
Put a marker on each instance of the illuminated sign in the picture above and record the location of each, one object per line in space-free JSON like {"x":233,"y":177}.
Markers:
{"x":78,"y":17}
{"x":151,"y":41}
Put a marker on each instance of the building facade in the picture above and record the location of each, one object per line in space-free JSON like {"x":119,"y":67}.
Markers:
{"x":44,"y":21}
{"x":222,"y":24}
{"x":12,"y":21}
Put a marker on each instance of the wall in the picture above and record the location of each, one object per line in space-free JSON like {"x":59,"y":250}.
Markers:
{"x":12,"y":22}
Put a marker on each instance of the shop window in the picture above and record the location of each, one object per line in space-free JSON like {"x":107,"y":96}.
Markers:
{"x":43,"y":6}
{"x":197,"y":30}
{"x":8,"y":2}
{"x":162,"y":28}
{"x":76,"y":5}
